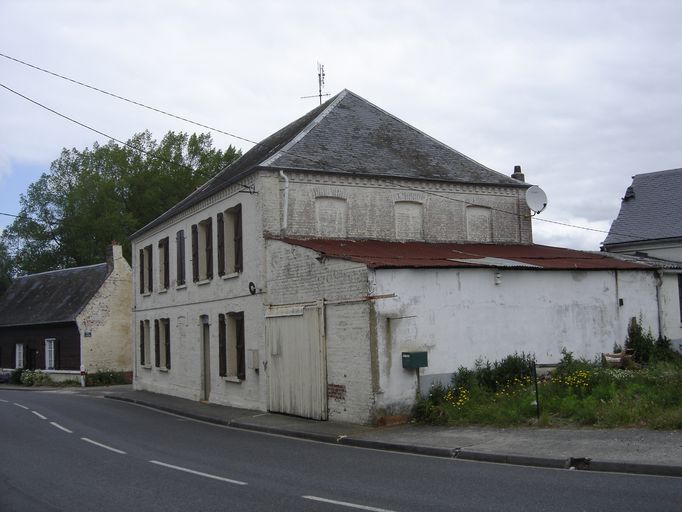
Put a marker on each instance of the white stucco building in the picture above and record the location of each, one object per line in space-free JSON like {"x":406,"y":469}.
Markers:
{"x":249,"y":292}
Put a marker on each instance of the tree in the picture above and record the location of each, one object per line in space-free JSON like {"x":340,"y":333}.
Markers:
{"x":91,"y":197}
{"x":5,"y":268}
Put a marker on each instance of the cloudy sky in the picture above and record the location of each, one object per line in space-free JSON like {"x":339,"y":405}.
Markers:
{"x":581,"y":94}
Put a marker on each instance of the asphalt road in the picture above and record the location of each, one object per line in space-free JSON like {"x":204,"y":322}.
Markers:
{"x":61,"y":451}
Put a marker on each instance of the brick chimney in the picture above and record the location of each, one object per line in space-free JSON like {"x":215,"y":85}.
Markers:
{"x":518,"y":175}
{"x":114,"y":253}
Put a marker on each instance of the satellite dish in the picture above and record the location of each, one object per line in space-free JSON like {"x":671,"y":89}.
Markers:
{"x":536,"y":199}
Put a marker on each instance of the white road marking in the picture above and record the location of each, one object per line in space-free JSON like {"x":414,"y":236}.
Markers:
{"x":61,"y":428}
{"x":103,"y":446}
{"x":346,"y":504}
{"x":39,"y":415}
{"x":4,"y":401}
{"x":22,"y":406}
{"x":214,"y":477}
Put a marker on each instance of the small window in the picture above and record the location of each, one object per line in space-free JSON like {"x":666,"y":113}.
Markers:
{"x":162,"y":343}
{"x":19,"y":355}
{"x":145,"y":355}
{"x":50,"y":354}
{"x":146,"y":266}
{"x":229,"y":228}
{"x":164,"y":274}
{"x":202,"y":250}
{"x":180,"y":257}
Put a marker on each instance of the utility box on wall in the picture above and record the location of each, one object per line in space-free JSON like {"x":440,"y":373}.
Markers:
{"x":414,"y":360}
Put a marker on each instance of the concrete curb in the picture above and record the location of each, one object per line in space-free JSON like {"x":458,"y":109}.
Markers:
{"x":450,"y":453}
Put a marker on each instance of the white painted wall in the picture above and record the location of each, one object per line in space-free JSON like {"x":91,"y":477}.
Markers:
{"x":671,"y":251}
{"x":107,"y":317}
{"x":460,"y":315}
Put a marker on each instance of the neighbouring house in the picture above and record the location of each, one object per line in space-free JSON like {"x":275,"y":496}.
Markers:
{"x":62,"y":320}
{"x":295,"y":279}
{"x":648,"y":229}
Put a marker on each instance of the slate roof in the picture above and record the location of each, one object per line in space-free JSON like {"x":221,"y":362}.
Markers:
{"x":650,"y":210}
{"x":50,"y":297}
{"x":383,"y":254}
{"x":349,"y":135}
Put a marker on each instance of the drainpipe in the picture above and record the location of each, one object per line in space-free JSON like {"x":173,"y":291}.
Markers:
{"x":659,"y":283}
{"x":286,"y":201}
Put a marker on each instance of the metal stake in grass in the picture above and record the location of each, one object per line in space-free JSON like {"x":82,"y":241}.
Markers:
{"x":537,"y":395}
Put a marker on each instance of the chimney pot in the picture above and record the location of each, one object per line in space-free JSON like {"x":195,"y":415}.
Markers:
{"x":518,"y":175}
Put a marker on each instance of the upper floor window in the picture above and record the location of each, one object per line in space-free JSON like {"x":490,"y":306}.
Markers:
{"x":230,"y":241}
{"x":479,"y":224}
{"x":330,"y":217}
{"x":202,"y":250}
{"x":146,"y":266}
{"x":180,"y":257}
{"x":164,"y":264}
{"x":409,"y":220}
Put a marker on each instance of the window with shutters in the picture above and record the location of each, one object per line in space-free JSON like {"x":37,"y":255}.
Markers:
{"x":229,"y":230}
{"x":164,"y":264}
{"x":162,"y":344}
{"x":19,"y":355}
{"x":146,"y":266}
{"x":202,"y":250}
{"x":145,"y":354}
{"x":231,"y":346}
{"x":50,"y":354}
{"x":180,"y":257}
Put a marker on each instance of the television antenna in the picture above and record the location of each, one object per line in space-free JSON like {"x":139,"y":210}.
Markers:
{"x":320,"y":84}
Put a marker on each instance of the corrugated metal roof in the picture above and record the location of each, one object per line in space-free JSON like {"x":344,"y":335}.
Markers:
{"x":382,"y":254}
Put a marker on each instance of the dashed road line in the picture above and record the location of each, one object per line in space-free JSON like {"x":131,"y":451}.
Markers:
{"x":346,"y":504}
{"x":22,"y":406}
{"x":4,"y":401}
{"x":115,"y":450}
{"x":39,"y":415}
{"x":61,"y":428}
{"x":199,"y":473}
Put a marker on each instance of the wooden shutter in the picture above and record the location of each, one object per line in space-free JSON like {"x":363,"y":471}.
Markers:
{"x":141,"y":264}
{"x":220,"y":230}
{"x":180,"y":256}
{"x":195,"y":253}
{"x":55,"y":354}
{"x":157,"y":352}
{"x":168,"y":343}
{"x":222,"y":345}
{"x":209,"y":248}
{"x":166,"y":263}
{"x":237,"y":216}
{"x":150,"y":269}
{"x":141,"y":342}
{"x":241,"y":356}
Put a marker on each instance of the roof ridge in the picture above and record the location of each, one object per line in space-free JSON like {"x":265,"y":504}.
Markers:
{"x":664,"y":171}
{"x":61,"y":270}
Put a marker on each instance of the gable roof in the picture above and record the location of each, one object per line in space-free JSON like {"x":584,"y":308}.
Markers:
{"x":50,"y":297}
{"x":381,"y":254}
{"x":650,"y":210}
{"x":348,"y":135}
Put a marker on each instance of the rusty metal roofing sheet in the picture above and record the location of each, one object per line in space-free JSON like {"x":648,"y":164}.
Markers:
{"x":383,"y":254}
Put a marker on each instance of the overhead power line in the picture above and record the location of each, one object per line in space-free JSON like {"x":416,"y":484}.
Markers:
{"x":161,"y":111}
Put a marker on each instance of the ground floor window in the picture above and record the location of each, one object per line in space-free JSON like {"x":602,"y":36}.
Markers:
{"x":19,"y":355}
{"x":145,"y":354}
{"x":50,"y":354}
{"x":232,"y":353}
{"x":162,"y":343}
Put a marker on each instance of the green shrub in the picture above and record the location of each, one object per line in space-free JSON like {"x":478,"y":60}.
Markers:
{"x":106,"y":378}
{"x":15,"y":376}
{"x":494,"y":376}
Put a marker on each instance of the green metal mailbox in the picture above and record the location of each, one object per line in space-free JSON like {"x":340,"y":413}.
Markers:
{"x":415,"y":360}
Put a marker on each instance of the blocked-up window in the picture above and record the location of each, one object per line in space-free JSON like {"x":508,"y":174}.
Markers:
{"x":145,"y":354}
{"x":479,"y":224}
{"x":231,"y":346}
{"x":330,"y":217}
{"x":146,"y":266}
{"x":202,"y":250}
{"x":229,"y":230}
{"x":162,"y":343}
{"x":50,"y":354}
{"x":180,"y":257}
{"x":409,"y":220}
{"x":19,"y":355}
{"x":164,"y":264}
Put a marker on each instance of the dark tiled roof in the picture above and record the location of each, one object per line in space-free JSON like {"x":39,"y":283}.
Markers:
{"x":349,"y":135}
{"x":50,"y":297}
{"x":379,"y":254}
{"x":651,"y":209}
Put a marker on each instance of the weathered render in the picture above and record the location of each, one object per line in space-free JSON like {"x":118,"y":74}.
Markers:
{"x":61,"y":320}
